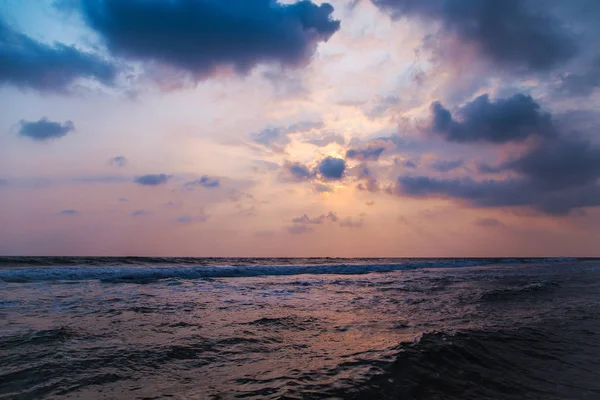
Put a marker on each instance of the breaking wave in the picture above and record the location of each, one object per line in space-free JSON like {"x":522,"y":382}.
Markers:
{"x":146,"y":270}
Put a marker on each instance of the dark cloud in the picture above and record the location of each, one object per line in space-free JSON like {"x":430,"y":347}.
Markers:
{"x":368,"y":153}
{"x":297,"y":172}
{"x":44,"y":129}
{"x":559,"y":163}
{"x":512,"y":119}
{"x":118,"y":161}
{"x":152,"y":179}
{"x":581,"y":84}
{"x":200,"y":36}
{"x":372,"y":150}
{"x":559,"y":172}
{"x":511,"y":33}
{"x":509,"y":192}
{"x":327,"y":139}
{"x":446,"y":165}
{"x":554,"y":177}
{"x":278,"y":138}
{"x":69,"y":212}
{"x":489,"y":223}
{"x":332,"y":168}
{"x":205,"y":181}
{"x":27,"y":63}
{"x":139,"y":213}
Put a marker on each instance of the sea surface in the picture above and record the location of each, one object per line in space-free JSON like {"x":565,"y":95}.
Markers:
{"x":326,"y":328}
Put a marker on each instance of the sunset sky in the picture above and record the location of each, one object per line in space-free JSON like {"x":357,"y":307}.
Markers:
{"x":282,"y":128}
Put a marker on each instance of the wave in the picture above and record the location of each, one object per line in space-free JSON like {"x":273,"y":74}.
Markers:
{"x":520,"y":363}
{"x":515,"y":291}
{"x":36,"y":338}
{"x":150,"y":273}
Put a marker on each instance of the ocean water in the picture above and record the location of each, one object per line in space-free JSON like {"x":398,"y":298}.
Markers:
{"x":184,"y":328}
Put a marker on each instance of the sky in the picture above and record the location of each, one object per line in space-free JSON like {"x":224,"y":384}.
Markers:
{"x":349,"y":128}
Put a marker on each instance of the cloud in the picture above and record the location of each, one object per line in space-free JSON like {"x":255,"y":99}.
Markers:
{"x":139,"y":213}
{"x":306,"y":220}
{"x":581,"y":84}
{"x":509,"y":192}
{"x":320,"y":188}
{"x":205,"y":181}
{"x":277,"y":138}
{"x":369,"y":183}
{"x":201,"y":36}
{"x":348,"y":222}
{"x":489,"y":223}
{"x":371,"y":151}
{"x":299,"y":229}
{"x":382,"y":106}
{"x":303,"y":224}
{"x":274,"y":138}
{"x":483,"y":193}
{"x":262,"y":165}
{"x":100,"y":179}
{"x":510,"y":33}
{"x":27,"y":63}
{"x":118,"y":161}
{"x":304,"y":126}
{"x":152,"y":179}
{"x":368,"y":153}
{"x":186,"y":219}
{"x":446,"y":165}
{"x":45,"y":129}
{"x":412,"y":164}
{"x":512,"y":119}
{"x":327,"y":139}
{"x":560,"y":163}
{"x":285,"y":84}
{"x":555,"y":174}
{"x":69,"y":212}
{"x":332,"y":168}
{"x":297,"y":172}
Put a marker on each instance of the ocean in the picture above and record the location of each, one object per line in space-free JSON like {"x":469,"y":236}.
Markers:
{"x":317,"y":328}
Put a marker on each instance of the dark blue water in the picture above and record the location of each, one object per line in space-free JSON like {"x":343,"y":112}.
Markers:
{"x":146,"y":328}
